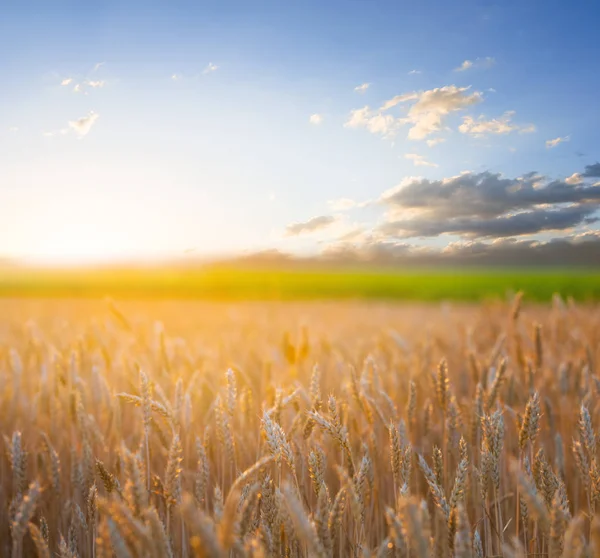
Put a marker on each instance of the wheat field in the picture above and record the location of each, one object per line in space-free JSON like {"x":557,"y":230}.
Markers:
{"x":286,"y":429}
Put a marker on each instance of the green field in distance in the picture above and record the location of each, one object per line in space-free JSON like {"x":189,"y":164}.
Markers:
{"x":230,"y":283}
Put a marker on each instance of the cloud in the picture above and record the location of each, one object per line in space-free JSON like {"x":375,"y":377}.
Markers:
{"x":483,"y":194}
{"x":519,"y":224}
{"x":592,"y":171}
{"x":176,"y":77}
{"x":570,"y":250}
{"x":84,"y":85}
{"x":574,"y":179}
{"x":210,"y":68}
{"x":481,"y":127}
{"x":435,"y":141}
{"x":466,"y":65}
{"x":426,"y":113}
{"x":94,"y":84}
{"x":98,"y":66}
{"x":399,"y":99}
{"x":61,"y":132}
{"x":487,"y":205}
{"x":554,"y":142}
{"x":414,"y":72}
{"x":83,"y":125}
{"x":419,"y":160}
{"x":481,"y":63}
{"x":316,"y":119}
{"x":13,"y":129}
{"x":310,"y":226}
{"x":352,"y":235}
{"x":375,"y":122}
{"x":66,"y":81}
{"x":362,"y":88}
{"x":433,"y":105}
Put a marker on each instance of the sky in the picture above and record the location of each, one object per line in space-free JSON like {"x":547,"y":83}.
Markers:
{"x":144,"y":130}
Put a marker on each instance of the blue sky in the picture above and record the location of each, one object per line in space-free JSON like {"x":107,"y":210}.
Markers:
{"x":132,"y":129}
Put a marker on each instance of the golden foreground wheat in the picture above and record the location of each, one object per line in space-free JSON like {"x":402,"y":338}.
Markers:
{"x":285,"y":429}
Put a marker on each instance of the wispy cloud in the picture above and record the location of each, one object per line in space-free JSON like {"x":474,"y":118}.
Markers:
{"x":95,"y":84}
{"x":210,"y":68}
{"x":176,"y":77}
{"x":481,"y":127}
{"x":481,"y":63}
{"x":98,"y":66}
{"x":554,"y":142}
{"x":435,"y":141}
{"x":86,"y":84}
{"x":83,"y":125}
{"x":390,"y":103}
{"x":310,"y":226}
{"x":66,"y":81}
{"x":13,"y":129}
{"x":414,"y":72}
{"x":316,"y":119}
{"x":346,"y":204}
{"x":419,"y":160}
{"x":362,"y":88}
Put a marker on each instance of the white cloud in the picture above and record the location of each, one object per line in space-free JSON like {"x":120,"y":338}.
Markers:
{"x":66,"y":81}
{"x":61,"y":132}
{"x":176,"y":77}
{"x":419,"y":160}
{"x":464,"y":66}
{"x":486,"y":62}
{"x":503,"y":125}
{"x":435,"y":141}
{"x":433,"y":105}
{"x":98,"y":66}
{"x":84,"y":85}
{"x":316,"y":119}
{"x":95,"y":84}
{"x":374,"y":122}
{"x":362,"y":88}
{"x":13,"y":129}
{"x":210,"y":68}
{"x":83,"y":125}
{"x":399,"y":99}
{"x":425,"y":114}
{"x":574,"y":179}
{"x":529,"y":129}
{"x":414,"y":72}
{"x":554,"y":142}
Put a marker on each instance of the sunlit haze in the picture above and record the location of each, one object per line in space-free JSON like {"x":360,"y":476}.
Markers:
{"x":140,"y":131}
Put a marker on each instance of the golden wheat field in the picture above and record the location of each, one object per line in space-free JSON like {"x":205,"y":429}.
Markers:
{"x":319,"y":429}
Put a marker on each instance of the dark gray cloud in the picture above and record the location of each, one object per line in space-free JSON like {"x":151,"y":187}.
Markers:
{"x":312,"y":225}
{"x":592,"y":171}
{"x":486,"y":194}
{"x":526,"y":223}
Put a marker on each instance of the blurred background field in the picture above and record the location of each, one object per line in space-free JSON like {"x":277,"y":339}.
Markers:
{"x":217,"y":282}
